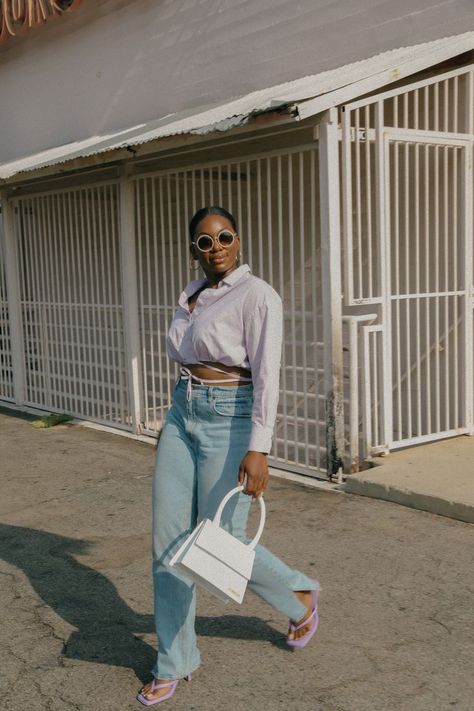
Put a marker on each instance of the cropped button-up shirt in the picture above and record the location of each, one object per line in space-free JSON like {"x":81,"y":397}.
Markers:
{"x":238,"y":323}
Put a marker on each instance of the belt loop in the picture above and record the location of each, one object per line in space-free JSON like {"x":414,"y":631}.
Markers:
{"x":189,"y":390}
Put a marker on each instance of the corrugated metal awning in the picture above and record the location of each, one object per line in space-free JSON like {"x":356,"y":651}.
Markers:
{"x":308,"y":95}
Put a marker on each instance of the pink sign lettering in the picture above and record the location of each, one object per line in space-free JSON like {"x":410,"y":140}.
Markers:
{"x":17,"y":17}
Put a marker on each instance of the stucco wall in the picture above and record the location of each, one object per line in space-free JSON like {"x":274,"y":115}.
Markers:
{"x":116,"y":63}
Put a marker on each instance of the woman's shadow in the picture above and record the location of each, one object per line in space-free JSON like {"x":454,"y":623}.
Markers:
{"x":106,"y":628}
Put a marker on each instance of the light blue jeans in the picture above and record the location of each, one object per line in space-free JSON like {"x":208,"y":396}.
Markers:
{"x":204,"y":438}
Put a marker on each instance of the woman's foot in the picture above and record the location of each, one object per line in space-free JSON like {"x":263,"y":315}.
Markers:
{"x":304,"y":596}
{"x":152,"y":695}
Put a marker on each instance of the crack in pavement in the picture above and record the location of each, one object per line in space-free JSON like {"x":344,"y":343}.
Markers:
{"x":434,"y":619}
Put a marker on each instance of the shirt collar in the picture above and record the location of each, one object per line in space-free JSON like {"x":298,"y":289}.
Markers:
{"x":196,"y":284}
{"x":189,"y":289}
{"x":235,"y":275}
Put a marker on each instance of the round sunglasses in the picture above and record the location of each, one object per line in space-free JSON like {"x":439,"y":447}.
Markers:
{"x":225,"y":238}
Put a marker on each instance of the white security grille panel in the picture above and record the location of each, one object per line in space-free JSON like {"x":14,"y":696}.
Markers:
{"x":363,"y":282}
{"x":435,"y":106}
{"x":427,"y":249}
{"x":71,"y":303}
{"x":6,"y":373}
{"x":408,"y":262}
{"x":274,"y":199}
{"x":441,"y":103}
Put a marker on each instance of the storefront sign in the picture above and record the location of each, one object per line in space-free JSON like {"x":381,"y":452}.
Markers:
{"x":17,"y":17}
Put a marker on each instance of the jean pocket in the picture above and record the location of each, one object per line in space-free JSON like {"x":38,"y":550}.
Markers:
{"x":233,"y":406}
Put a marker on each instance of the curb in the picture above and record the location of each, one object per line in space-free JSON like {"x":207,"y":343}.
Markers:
{"x":417,"y":500}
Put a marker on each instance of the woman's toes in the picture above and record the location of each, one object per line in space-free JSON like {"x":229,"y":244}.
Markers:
{"x":147,"y":692}
{"x":296,"y":634}
{"x":303,"y":630}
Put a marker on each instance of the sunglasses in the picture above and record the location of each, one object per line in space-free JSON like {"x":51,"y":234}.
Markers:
{"x":225,"y":238}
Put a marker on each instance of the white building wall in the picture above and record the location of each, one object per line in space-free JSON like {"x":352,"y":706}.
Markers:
{"x":116,"y":63}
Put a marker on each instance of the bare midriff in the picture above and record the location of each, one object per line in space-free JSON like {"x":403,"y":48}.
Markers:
{"x":207,"y":373}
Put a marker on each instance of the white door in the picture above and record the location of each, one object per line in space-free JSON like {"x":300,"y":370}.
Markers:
{"x":427,"y":287}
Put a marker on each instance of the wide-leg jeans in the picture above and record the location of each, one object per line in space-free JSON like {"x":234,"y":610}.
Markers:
{"x":204,"y":438}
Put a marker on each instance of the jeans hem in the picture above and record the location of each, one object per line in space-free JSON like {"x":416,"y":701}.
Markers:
{"x":175,"y":676}
{"x":311,"y":587}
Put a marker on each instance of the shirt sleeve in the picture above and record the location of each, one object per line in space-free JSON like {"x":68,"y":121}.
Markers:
{"x":263,"y":330}
{"x":173,"y":336}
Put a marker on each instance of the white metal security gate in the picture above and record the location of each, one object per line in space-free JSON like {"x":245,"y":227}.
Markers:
{"x":407,"y":220}
{"x":70,"y":291}
{"x":274,"y":197}
{"x":428,"y":340}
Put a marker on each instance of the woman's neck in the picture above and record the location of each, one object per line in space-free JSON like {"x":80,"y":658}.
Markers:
{"x":215,"y":279}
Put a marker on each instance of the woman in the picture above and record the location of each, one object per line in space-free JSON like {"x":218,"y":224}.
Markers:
{"x":217,"y":432}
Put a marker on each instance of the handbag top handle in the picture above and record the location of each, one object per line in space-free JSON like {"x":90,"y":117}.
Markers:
{"x":217,"y":517}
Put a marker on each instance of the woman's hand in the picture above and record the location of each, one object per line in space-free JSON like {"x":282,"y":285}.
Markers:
{"x":255,"y":466}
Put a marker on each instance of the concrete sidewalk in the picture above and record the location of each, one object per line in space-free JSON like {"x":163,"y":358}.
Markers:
{"x":76,"y":595}
{"x":436,"y":477}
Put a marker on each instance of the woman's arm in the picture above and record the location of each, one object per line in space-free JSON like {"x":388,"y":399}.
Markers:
{"x":263,"y":329}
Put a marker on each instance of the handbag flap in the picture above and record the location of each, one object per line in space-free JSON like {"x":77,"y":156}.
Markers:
{"x":224,"y":547}
{"x":186,"y":545}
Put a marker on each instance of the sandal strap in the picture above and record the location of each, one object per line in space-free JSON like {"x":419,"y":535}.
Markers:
{"x":305,"y":622}
{"x":155,"y":686}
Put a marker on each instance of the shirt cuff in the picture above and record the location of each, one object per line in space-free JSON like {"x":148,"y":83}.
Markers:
{"x":260,"y":438}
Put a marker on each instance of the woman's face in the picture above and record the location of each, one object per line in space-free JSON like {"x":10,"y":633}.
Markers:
{"x":219,"y":260}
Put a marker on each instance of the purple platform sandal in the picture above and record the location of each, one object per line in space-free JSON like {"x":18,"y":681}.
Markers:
{"x":313,"y":618}
{"x":154,"y":686}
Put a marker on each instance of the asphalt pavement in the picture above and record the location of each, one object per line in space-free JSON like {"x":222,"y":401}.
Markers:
{"x":396,"y":630}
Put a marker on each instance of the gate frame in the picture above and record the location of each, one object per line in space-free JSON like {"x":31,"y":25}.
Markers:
{"x":331,"y":264}
{"x":130,"y":308}
{"x":12,"y":281}
{"x":375,"y":132}
{"x":467,"y":144}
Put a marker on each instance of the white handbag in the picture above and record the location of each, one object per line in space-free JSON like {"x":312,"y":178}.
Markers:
{"x":217,"y":560}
